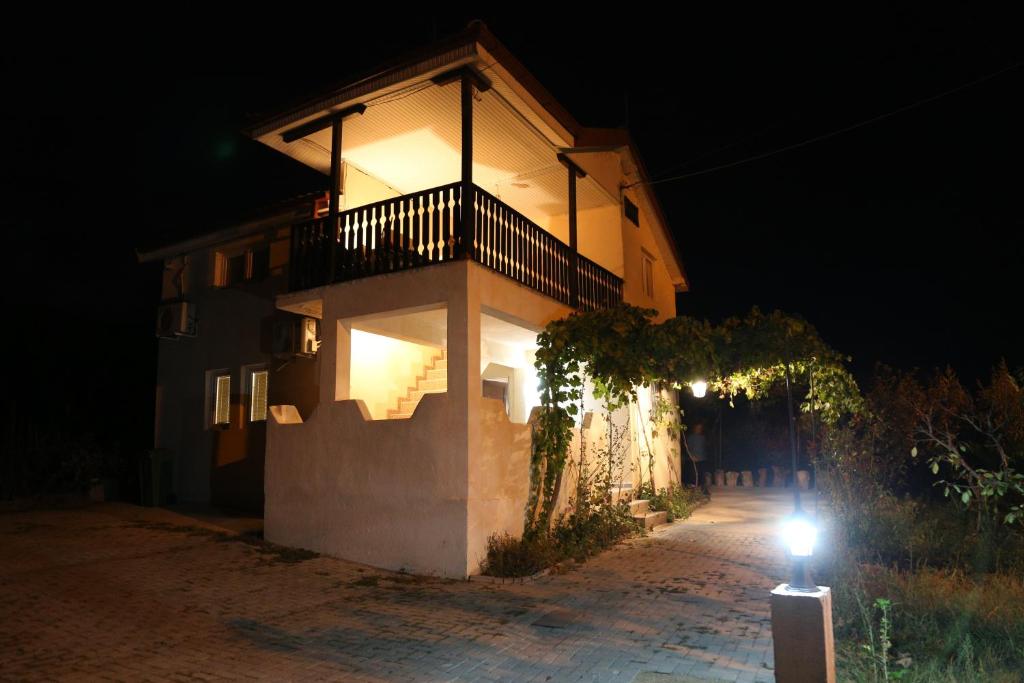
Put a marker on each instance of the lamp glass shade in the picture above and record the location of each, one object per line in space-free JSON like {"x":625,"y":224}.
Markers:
{"x":799,"y":534}
{"x":699,"y":388}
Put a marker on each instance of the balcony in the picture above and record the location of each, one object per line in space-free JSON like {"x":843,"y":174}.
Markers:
{"x":426,"y":228}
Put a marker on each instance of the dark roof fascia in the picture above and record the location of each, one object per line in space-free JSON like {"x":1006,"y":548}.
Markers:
{"x":337,"y":93}
{"x":266,"y":223}
{"x":476,"y":33}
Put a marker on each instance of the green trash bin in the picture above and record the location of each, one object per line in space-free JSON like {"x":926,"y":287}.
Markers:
{"x":156,"y":477}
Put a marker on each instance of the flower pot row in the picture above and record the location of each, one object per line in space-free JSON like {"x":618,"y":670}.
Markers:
{"x":779,"y":478}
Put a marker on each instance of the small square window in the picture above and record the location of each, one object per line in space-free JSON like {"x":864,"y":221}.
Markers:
{"x":258,"y":395}
{"x":631,"y":211}
{"x":222,"y":400}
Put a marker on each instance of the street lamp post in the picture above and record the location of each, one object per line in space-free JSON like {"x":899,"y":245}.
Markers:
{"x":801,"y":611}
{"x":792,"y":436}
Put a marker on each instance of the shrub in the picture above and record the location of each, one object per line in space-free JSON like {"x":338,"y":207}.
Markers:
{"x":515,"y":557}
{"x":582,"y":534}
{"x":576,"y":536}
{"x":678,"y":501}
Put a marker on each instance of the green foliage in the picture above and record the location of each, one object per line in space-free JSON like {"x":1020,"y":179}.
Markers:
{"x":927,"y":590}
{"x":872,"y":524}
{"x":512,"y":557}
{"x":754,"y":353}
{"x":931,"y":625}
{"x":678,"y":501}
{"x":976,"y":441}
{"x":623,"y":348}
{"x":576,"y":536}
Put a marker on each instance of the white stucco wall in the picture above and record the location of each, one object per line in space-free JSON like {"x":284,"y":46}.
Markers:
{"x":634,"y":467}
{"x":387,"y":493}
{"x":421,"y":494}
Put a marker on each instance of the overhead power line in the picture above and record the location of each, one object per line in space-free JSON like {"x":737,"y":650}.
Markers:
{"x":831,"y":134}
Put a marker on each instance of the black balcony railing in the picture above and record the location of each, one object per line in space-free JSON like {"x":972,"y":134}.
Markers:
{"x":423,"y":228}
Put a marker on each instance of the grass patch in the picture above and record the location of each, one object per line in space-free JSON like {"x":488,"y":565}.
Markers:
{"x":953,"y":595}
{"x":943,"y":625}
{"x":366,"y":581}
{"x":273,"y":552}
{"x":176,"y":528}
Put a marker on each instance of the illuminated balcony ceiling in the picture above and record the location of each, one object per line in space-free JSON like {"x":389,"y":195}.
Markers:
{"x":409,"y":136}
{"x":411,"y":140}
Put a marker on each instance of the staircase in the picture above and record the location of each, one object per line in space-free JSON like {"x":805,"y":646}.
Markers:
{"x":434,"y":380}
{"x":641,"y":512}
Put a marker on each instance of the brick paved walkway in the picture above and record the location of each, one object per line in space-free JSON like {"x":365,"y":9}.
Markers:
{"x":124,"y":593}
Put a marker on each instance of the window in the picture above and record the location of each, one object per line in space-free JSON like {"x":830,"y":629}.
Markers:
{"x":233,"y":268}
{"x":631,"y":211}
{"x":258,"y":395}
{"x":222,"y":400}
{"x":647,"y":273}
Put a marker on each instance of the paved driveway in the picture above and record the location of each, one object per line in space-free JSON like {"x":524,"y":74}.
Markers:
{"x":124,"y":593}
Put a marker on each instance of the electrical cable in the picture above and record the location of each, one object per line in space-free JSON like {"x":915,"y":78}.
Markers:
{"x":825,"y":136}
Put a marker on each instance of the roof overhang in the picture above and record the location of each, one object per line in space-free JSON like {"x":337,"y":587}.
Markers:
{"x":607,"y":139}
{"x":475,"y":47}
{"x":283,"y":218}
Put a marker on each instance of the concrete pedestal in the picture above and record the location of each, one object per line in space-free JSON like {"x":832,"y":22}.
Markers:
{"x":802,"y":634}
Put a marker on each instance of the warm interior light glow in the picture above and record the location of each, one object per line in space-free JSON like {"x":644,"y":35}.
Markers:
{"x":384,"y":368}
{"x":258,"y":398}
{"x":222,"y":400}
{"x":699,"y":388}
{"x":799,"y":534}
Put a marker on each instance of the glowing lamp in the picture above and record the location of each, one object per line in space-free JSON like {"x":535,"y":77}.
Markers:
{"x":699,"y":388}
{"x":799,"y":534}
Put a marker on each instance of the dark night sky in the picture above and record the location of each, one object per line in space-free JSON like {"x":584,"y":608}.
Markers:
{"x":900,"y":240}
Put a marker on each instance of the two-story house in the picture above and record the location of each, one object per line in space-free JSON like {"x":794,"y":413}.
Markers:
{"x":362,"y":363}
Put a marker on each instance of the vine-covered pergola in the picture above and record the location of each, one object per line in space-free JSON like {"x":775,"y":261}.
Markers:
{"x":622,"y":348}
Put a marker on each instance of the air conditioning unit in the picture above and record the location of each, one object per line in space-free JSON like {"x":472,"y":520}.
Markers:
{"x":296,"y":337}
{"x":176,"y":320}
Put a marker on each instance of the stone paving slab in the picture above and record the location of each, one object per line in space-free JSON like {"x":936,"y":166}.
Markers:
{"x":113,"y":592}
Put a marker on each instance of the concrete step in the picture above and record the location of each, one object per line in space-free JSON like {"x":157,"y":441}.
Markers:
{"x":432,"y":384}
{"x":416,"y":394}
{"x":621,"y":492}
{"x":398,"y":415}
{"x":441,"y":364}
{"x":407,"y":405}
{"x":651,"y":519}
{"x":434,"y":375}
{"x":639,"y":507}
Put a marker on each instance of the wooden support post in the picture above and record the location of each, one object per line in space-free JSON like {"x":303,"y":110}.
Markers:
{"x":574,"y":266}
{"x":332,"y":207}
{"x":466,"y":224}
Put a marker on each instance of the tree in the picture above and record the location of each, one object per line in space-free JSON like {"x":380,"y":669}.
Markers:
{"x":978,"y":440}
